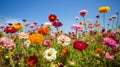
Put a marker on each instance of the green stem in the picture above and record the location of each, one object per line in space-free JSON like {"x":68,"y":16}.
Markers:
{"x":104,"y":19}
{"x":11,"y":60}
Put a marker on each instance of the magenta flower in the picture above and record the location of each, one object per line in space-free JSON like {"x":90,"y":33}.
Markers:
{"x":77,"y":27}
{"x":109,"y":56}
{"x":47,"y":43}
{"x":83,"y":12}
{"x":110,"y":42}
{"x":57,"y":24}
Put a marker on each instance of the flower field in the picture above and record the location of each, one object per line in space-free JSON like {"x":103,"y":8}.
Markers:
{"x":90,"y":45}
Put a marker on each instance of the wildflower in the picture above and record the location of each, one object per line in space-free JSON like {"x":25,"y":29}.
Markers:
{"x":90,"y":26}
{"x":52,"y":17}
{"x":109,"y":56}
{"x":110,"y":42}
{"x":50,"y":54}
{"x":47,"y":43}
{"x":18,"y":26}
{"x":77,"y":18}
{"x":64,"y":52}
{"x":48,"y":24}
{"x":23,"y":35}
{"x":104,"y":9}
{"x":63,"y":40}
{"x":72,"y":63}
{"x":36,"y":38}
{"x":27,"y":23}
{"x":83,"y":12}
{"x":52,"y":35}
{"x":99,"y":50}
{"x":10,"y":29}
{"x":32,"y":60}
{"x":57,"y":24}
{"x":43,"y":30}
{"x":1,"y":26}
{"x":80,"y":45}
{"x":77,"y":27}
{"x":84,"y":23}
{"x":96,"y":24}
{"x":27,"y":43}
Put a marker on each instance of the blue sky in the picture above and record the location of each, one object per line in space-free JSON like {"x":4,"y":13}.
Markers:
{"x":66,"y":10}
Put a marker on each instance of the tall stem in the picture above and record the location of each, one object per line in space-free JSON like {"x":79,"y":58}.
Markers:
{"x":104,"y":19}
{"x":117,"y":21}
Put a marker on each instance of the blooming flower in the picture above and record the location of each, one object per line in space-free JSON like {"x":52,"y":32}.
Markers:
{"x":26,"y":43}
{"x":23,"y":35}
{"x":32,"y":60}
{"x":48,"y":24}
{"x":47,"y":43}
{"x":77,"y":18}
{"x":110,"y":42}
{"x":43,"y":30}
{"x":18,"y":26}
{"x":83,"y":12}
{"x":90,"y":26}
{"x":57,"y":24}
{"x":64,"y":52}
{"x":109,"y":56}
{"x":104,"y":9}
{"x":63,"y":40}
{"x":50,"y":54}
{"x":1,"y":26}
{"x":8,"y":29}
{"x":96,"y":24}
{"x":52,"y":17}
{"x":80,"y":45}
{"x":52,"y":35}
{"x":77,"y":27}
{"x":36,"y":38}
{"x":7,"y":43}
{"x":27,"y":23}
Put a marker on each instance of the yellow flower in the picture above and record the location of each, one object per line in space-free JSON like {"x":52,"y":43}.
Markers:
{"x":36,"y":38}
{"x":104,"y":9}
{"x":84,"y":23}
{"x":18,"y":26}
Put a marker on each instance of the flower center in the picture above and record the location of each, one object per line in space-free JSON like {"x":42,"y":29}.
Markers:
{"x":80,"y":44}
{"x":10,"y":28}
{"x":49,"y":53}
{"x":23,"y":35}
{"x":52,"y":17}
{"x":63,"y":40}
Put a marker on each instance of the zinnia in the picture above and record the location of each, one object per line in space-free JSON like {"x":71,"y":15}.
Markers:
{"x":32,"y":60}
{"x":18,"y":26}
{"x":9,"y":29}
{"x":43,"y":30}
{"x":52,"y":17}
{"x":36,"y":38}
{"x":23,"y":35}
{"x":47,"y":43}
{"x":57,"y":24}
{"x":77,"y":27}
{"x":83,"y":12}
{"x":80,"y":45}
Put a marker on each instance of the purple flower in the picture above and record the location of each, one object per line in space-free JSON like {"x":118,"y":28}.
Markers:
{"x":110,"y":42}
{"x":57,"y":24}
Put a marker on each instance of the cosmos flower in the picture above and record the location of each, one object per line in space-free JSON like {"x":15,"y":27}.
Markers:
{"x":48,"y":24}
{"x":7,"y":43}
{"x":110,"y":42}
{"x":104,"y":9}
{"x":9,"y":29}
{"x":47,"y":43}
{"x":50,"y":54}
{"x":109,"y":56}
{"x":77,"y":27}
{"x":23,"y":35}
{"x":83,"y":13}
{"x":52,"y":18}
{"x":63,"y":40}
{"x":32,"y":60}
{"x":43,"y":30}
{"x":80,"y":45}
{"x":36,"y":38}
{"x":57,"y":24}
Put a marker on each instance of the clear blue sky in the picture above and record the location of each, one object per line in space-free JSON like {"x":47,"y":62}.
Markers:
{"x":66,"y":10}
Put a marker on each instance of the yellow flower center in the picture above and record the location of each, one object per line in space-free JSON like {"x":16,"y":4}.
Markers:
{"x":63,"y":40}
{"x":49,"y":53}
{"x":23,"y":35}
{"x":10,"y":28}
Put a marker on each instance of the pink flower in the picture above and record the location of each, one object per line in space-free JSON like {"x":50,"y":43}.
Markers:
{"x":1,"y":26}
{"x":57,"y":24}
{"x":47,"y":43}
{"x":27,"y":23}
{"x":83,"y":12}
{"x":23,"y":35}
{"x":77,"y":27}
{"x":32,"y":25}
{"x":110,"y":42}
{"x":52,"y":35}
{"x":7,"y":43}
{"x":109,"y":56}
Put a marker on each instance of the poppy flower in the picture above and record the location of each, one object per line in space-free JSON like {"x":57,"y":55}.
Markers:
{"x":18,"y":26}
{"x":57,"y":24}
{"x":32,"y":60}
{"x":83,"y":12}
{"x":80,"y":45}
{"x":104,"y":9}
{"x":96,"y":24}
{"x":52,"y":17}
{"x":9,"y":29}
{"x":90,"y":26}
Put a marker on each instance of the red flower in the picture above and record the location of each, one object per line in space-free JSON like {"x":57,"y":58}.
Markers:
{"x":57,"y":24}
{"x":83,"y":12}
{"x":52,"y":17}
{"x":32,"y":60}
{"x":80,"y":45}
{"x":10,"y":29}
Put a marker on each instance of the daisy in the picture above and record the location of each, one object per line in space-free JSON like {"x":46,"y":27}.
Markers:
{"x":23,"y":35}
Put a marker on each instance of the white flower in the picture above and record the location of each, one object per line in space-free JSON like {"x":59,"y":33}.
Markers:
{"x":63,"y":40}
{"x":23,"y":35}
{"x":50,"y":54}
{"x":26,"y":43}
{"x":48,"y":24}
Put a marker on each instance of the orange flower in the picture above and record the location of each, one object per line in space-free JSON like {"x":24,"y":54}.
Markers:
{"x":99,"y":50}
{"x":32,"y":60}
{"x":18,"y":26}
{"x":43,"y":30}
{"x":96,"y":24}
{"x":104,"y":9}
{"x":64,"y":52}
{"x":0,"y":52}
{"x":90,"y":26}
{"x":36,"y":38}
